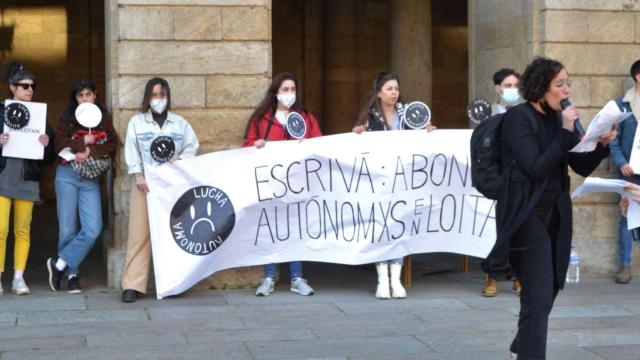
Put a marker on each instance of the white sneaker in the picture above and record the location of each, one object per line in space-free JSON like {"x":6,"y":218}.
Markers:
{"x":19,"y":287}
{"x":300,"y":286}
{"x":513,"y":356}
{"x":382,"y":290}
{"x":266,"y":287}
{"x":1,"y":291}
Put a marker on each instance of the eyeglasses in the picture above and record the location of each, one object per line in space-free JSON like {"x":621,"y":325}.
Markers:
{"x":26,"y":86}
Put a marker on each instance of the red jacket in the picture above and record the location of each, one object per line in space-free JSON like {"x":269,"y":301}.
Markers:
{"x":256,"y":129}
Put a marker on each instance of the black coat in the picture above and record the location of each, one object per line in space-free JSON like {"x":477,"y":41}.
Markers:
{"x":529,"y":159}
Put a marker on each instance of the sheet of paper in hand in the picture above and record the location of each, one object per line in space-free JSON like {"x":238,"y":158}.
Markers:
{"x":25,"y":121}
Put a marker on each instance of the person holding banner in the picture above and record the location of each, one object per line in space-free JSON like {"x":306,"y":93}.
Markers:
{"x":77,"y":185}
{"x":497,"y":262}
{"x":621,"y":148}
{"x":383,"y":111}
{"x":154,"y":136}
{"x":19,"y":182}
{"x":533,"y":211}
{"x":269,"y":123}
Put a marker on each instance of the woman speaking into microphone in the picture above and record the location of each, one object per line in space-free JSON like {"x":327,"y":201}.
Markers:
{"x":533,"y":212}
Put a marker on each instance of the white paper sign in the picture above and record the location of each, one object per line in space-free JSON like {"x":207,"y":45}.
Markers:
{"x":347,"y":199}
{"x":601,"y":124}
{"x":594,"y":185}
{"x":23,"y":138}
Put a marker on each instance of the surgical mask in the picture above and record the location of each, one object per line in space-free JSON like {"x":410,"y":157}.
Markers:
{"x":510,"y":96}
{"x":287,"y":99}
{"x":158,"y":105}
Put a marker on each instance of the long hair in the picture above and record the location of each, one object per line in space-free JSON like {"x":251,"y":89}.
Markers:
{"x":69,"y":115}
{"x":14,"y":72}
{"x":270,"y":100}
{"x":374,"y":100}
{"x":148,"y":91}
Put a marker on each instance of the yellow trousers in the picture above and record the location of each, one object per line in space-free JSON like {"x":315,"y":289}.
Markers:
{"x":22,"y":210}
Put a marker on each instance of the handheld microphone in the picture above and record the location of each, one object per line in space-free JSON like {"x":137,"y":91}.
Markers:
{"x":565,"y":103}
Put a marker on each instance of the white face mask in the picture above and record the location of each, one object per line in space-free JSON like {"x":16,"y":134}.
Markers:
{"x":158,"y":105}
{"x":510,"y":96}
{"x":287,"y":99}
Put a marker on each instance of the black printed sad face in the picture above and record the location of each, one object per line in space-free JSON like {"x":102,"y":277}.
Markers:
{"x":296,"y":127}
{"x":162,"y":149}
{"x":478,"y":110}
{"x":417,"y":115}
{"x":16,"y":116}
{"x":202,"y":219}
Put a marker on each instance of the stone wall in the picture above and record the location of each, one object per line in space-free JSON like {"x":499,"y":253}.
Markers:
{"x":216,"y":55}
{"x":597,"y":41}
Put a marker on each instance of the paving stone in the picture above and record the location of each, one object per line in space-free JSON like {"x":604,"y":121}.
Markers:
{"x":572,"y":353}
{"x":480,"y":341}
{"x":401,"y":305}
{"x":133,"y":340}
{"x":617,"y":352}
{"x":244,"y":310}
{"x":336,"y":320}
{"x":111,"y":300}
{"x":222,"y":351}
{"x":595,"y":337}
{"x":7,"y":318}
{"x":74,"y":316}
{"x":52,"y":302}
{"x":337,"y":347}
{"x":38,"y":343}
{"x":588,"y":311}
{"x":198,"y":337}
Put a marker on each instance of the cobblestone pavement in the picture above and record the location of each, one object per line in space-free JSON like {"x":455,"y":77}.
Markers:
{"x":444,"y":317}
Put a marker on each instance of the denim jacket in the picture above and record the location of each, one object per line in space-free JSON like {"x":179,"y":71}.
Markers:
{"x":623,"y":143}
{"x":141,"y":132}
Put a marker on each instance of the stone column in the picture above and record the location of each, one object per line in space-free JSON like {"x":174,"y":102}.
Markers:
{"x":410,"y":29}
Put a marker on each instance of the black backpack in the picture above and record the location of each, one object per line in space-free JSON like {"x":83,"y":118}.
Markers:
{"x":486,"y":167}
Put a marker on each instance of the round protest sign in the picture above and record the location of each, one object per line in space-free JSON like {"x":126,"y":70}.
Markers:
{"x":16,"y":116}
{"x":162,"y":149}
{"x":478,"y":110}
{"x":88,"y":115}
{"x":296,"y":127}
{"x":417,"y":115}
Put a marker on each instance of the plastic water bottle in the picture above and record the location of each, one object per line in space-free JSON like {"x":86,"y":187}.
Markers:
{"x":573,"y":273}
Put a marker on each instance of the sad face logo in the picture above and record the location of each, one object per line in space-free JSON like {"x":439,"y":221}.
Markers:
{"x":16,"y":116}
{"x":417,"y":115}
{"x":296,"y":127}
{"x":202,"y":219}
{"x":478,"y":111}
{"x":162,"y":149}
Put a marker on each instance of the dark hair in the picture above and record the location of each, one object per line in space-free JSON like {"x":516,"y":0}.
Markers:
{"x":14,"y":72}
{"x":635,"y":70}
{"x":502,"y":74}
{"x":270,"y":100}
{"x":148,"y":91}
{"x":69,"y":115}
{"x":537,"y":77}
{"x":374,"y":101}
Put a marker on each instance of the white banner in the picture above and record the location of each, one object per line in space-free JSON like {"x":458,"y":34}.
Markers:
{"x":348,"y":199}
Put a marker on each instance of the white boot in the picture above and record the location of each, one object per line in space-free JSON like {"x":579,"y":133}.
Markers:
{"x":397,"y":290}
{"x":382,"y":292}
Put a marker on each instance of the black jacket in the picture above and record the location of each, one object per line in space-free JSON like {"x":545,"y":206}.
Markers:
{"x":31,"y":167}
{"x":529,"y":159}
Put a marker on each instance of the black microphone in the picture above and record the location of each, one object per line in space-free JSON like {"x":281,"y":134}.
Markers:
{"x":565,"y":103}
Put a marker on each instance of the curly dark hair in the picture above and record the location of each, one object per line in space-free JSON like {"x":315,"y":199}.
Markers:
{"x":536,"y":79}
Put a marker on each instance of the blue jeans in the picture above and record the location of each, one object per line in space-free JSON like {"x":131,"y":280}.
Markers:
{"x":392,"y":261}
{"x":625,"y":242}
{"x":77,"y":197}
{"x":295,"y":267}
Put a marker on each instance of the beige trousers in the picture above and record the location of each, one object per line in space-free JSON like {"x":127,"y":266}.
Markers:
{"x":136,"y":270}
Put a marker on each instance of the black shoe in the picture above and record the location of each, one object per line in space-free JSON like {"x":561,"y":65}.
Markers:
{"x":74,"y":285}
{"x":129,"y":296}
{"x":54,"y":274}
